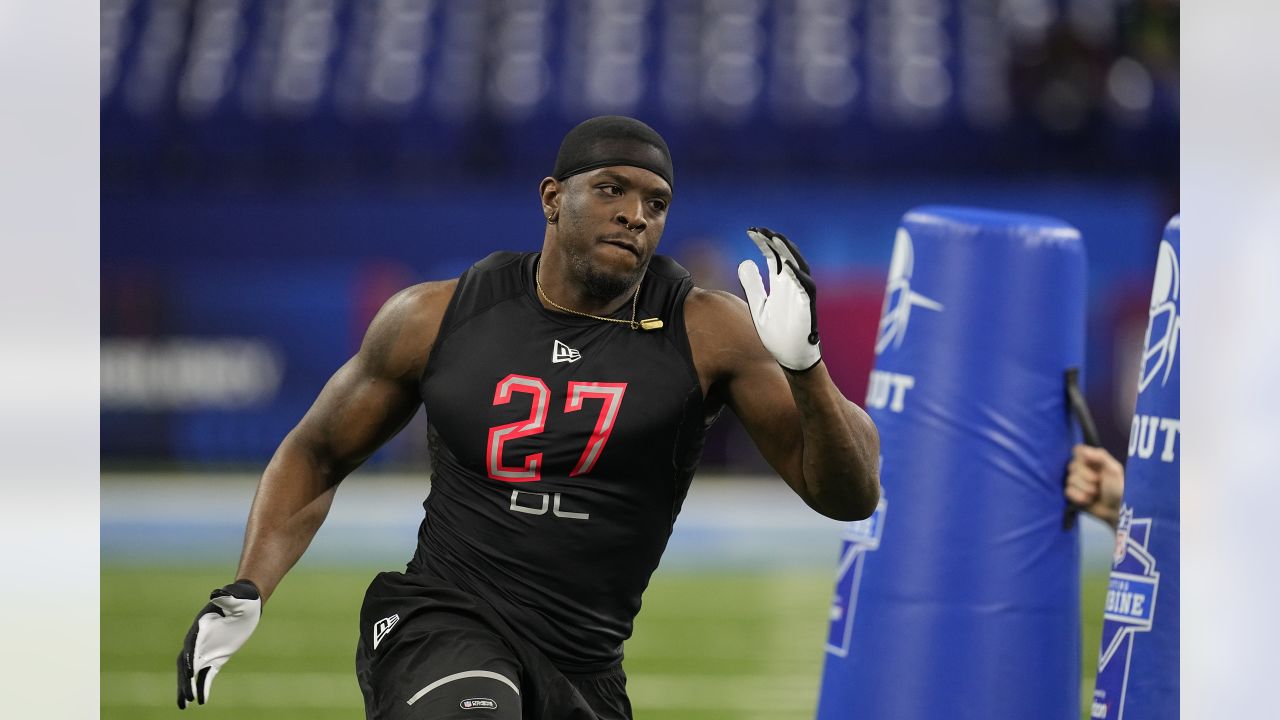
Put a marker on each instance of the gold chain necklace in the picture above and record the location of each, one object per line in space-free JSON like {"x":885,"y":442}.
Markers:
{"x":646,"y":324}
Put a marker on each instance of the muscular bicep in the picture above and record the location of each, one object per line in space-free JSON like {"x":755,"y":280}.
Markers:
{"x":740,"y":372}
{"x":375,"y":394}
{"x":354,"y":415}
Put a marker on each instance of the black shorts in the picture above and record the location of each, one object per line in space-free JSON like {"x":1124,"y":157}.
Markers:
{"x":443,"y":653}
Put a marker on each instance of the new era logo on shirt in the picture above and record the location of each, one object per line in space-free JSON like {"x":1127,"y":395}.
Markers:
{"x":563,"y":353}
{"x":382,"y":627}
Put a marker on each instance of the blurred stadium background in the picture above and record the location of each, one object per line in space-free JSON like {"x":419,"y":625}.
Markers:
{"x":272,"y":171}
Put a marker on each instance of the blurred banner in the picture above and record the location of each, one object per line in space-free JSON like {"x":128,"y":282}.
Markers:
{"x":223,"y":315}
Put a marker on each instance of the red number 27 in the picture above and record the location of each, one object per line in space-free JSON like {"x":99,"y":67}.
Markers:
{"x":531,"y":470}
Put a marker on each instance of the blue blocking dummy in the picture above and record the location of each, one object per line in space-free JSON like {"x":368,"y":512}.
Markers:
{"x":959,"y":598}
{"x":1138,"y":656}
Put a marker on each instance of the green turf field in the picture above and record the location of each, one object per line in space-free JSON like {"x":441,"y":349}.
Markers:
{"x":708,"y":646}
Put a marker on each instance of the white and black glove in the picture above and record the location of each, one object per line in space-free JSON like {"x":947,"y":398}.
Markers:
{"x":220,"y":628}
{"x":787,"y":318}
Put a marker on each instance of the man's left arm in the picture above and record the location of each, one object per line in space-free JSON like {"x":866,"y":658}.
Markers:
{"x":762,"y":358}
{"x":839,"y":446}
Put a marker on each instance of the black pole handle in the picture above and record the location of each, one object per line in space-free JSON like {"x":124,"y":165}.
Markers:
{"x":1080,"y":411}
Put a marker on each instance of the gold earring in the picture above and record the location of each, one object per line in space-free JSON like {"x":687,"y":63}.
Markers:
{"x":551,"y":219}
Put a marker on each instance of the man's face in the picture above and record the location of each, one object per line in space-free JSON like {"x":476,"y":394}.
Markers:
{"x":610,"y":222}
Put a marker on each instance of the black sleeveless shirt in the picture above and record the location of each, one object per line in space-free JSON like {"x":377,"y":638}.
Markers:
{"x":562,"y":448}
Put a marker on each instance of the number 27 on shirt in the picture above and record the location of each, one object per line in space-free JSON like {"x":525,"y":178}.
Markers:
{"x":531,"y":469}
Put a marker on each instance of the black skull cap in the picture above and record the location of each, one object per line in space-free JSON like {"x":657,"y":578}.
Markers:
{"x":613,"y":140}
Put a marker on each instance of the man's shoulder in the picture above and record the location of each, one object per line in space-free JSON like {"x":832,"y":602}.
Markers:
{"x":717,"y":319}
{"x":712,"y":304}
{"x":666,"y":267}
{"x":499,"y":276}
{"x":419,"y":302}
{"x":402,"y":333}
{"x":721,"y":334}
{"x":414,"y":314}
{"x":498,"y":260}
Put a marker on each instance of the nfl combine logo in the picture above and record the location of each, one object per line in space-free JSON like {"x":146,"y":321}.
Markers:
{"x":1130,"y":609}
{"x":478,"y":704}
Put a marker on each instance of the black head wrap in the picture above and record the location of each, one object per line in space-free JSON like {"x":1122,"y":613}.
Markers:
{"x":613,"y":140}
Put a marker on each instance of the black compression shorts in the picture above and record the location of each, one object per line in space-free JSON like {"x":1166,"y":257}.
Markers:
{"x":442,"y":653}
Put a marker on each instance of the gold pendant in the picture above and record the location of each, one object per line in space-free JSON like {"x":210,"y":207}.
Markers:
{"x":651,"y":324}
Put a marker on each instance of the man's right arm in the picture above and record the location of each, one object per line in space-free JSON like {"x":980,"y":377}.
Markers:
{"x":366,"y":402}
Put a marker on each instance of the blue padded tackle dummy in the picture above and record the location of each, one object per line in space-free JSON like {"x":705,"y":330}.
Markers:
{"x":959,"y":598}
{"x":1138,"y":656}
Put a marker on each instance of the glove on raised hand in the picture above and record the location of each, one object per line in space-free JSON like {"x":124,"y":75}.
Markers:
{"x":787,"y":317}
{"x":220,"y":628}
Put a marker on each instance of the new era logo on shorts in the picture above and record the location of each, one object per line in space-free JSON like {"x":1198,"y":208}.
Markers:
{"x":478,"y":704}
{"x":382,"y":627}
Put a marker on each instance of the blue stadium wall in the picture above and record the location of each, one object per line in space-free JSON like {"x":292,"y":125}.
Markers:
{"x":223,"y":313}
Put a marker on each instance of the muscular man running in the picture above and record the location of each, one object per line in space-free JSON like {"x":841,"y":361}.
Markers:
{"x":567,"y":394}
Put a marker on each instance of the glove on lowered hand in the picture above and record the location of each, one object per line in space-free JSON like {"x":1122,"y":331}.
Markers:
{"x":220,"y":628}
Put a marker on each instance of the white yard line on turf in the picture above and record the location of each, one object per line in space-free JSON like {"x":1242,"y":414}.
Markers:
{"x":756,"y":693}
{"x":250,"y":689}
